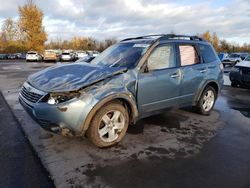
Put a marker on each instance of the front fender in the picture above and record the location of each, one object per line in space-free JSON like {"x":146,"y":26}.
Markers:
{"x":128,"y":97}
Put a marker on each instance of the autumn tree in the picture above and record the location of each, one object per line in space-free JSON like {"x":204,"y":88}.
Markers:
{"x":216,"y":42}
{"x":224,"y":46}
{"x":207,"y":36}
{"x":31,"y":26}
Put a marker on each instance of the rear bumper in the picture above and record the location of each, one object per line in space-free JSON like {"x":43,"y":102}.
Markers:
{"x":50,"y":58}
{"x":31,"y":59}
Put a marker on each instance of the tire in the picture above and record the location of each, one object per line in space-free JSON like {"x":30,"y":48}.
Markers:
{"x":234,"y":84}
{"x":201,"y":106}
{"x":101,"y":132}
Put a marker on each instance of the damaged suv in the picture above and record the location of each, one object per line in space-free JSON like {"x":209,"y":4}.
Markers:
{"x":132,"y":79}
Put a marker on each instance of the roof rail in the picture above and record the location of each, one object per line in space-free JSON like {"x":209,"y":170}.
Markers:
{"x":173,"y":36}
{"x":165,"y":36}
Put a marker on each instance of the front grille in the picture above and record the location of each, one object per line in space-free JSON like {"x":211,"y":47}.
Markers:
{"x":30,"y":96}
{"x":245,"y":70}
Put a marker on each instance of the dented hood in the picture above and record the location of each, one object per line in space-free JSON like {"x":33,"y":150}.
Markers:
{"x":71,"y":77}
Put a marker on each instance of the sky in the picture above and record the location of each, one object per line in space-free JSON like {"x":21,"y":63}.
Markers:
{"x":101,"y":19}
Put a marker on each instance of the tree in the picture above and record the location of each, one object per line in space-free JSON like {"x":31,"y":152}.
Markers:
{"x":207,"y":36}
{"x":31,"y":26}
{"x":11,"y":39}
{"x":10,"y":30}
{"x":224,"y":46}
{"x":216,"y":42}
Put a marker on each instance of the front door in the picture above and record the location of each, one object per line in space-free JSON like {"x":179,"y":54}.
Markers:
{"x":159,"y":86}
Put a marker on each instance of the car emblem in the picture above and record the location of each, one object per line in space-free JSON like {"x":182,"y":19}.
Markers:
{"x":29,"y":88}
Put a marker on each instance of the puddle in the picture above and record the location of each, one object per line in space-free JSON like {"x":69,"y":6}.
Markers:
{"x":237,"y":99}
{"x":244,"y":111}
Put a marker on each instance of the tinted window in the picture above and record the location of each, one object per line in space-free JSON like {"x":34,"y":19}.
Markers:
{"x":188,"y":55}
{"x":207,"y":53}
{"x":161,"y":58}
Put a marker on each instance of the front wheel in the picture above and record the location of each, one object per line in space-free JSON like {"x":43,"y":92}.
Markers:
{"x":206,"y":101}
{"x":109,"y":125}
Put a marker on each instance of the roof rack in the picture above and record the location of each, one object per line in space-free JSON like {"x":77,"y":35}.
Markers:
{"x":166,"y":37}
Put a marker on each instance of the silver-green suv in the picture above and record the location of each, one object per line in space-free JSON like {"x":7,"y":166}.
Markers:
{"x":128,"y":81}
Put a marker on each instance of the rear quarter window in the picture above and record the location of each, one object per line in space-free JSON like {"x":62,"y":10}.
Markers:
{"x":207,"y":53}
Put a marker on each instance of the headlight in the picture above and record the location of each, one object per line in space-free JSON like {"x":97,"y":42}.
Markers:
{"x":56,"y":98}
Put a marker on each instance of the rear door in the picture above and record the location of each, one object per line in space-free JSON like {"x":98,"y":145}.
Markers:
{"x":159,"y":87}
{"x":193,"y":71}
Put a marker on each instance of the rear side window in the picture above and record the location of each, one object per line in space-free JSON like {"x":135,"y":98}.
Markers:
{"x":207,"y":53}
{"x":188,"y":55}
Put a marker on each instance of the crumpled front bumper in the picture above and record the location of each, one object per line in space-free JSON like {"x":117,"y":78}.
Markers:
{"x":67,"y":118}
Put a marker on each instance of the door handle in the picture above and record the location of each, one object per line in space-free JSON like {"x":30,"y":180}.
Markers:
{"x":175,"y":75}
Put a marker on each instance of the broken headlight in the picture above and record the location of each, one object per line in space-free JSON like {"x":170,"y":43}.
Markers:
{"x":57,"y":98}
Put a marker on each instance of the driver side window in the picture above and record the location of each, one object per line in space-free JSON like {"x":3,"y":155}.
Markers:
{"x":162,"y":57}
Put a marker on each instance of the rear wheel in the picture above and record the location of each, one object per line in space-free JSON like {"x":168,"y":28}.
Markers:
{"x":206,"y":101}
{"x":109,"y":125}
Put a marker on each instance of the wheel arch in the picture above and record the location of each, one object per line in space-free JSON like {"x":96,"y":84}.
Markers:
{"x":211,"y":83}
{"x":126,"y":100}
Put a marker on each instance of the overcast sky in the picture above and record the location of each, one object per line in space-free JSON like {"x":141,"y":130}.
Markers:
{"x":124,"y":18}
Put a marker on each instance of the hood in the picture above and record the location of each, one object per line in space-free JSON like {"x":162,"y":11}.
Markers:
{"x":243,"y":64}
{"x":71,"y":77}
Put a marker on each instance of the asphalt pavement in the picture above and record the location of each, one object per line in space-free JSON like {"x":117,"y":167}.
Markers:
{"x":19,"y":165}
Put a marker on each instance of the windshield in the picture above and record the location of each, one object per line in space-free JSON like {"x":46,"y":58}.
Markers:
{"x":234,"y":55}
{"x":121,"y":55}
{"x":247,"y":58}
